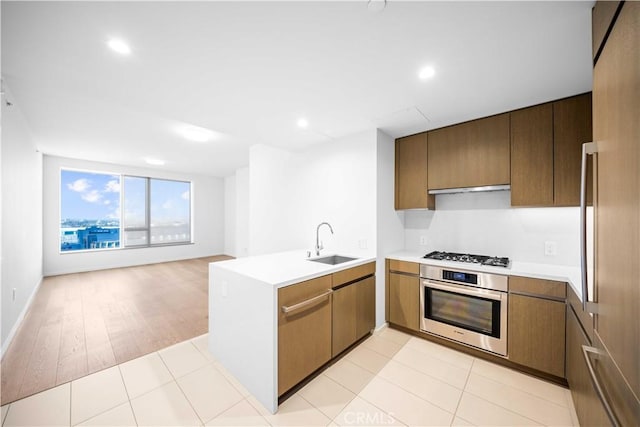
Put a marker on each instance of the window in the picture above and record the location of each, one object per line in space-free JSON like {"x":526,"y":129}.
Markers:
{"x":153,"y":211}
{"x":157,"y":211}
{"x":89,"y":210}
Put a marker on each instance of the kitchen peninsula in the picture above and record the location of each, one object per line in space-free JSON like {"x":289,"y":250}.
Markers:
{"x":260,"y":307}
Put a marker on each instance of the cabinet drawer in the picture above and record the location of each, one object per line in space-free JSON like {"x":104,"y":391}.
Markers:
{"x":538,"y":287}
{"x":355,"y":273}
{"x":289,"y":296}
{"x":404,"y":266}
{"x":304,"y":333}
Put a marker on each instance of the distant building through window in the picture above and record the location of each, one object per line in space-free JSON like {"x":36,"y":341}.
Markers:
{"x":111,"y":211}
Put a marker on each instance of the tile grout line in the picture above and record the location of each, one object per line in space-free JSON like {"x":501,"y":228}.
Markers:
{"x":526,"y":391}
{"x":455,"y":413}
{"x":419,"y":397}
{"x":441,"y":359}
{"x":507,"y":409}
{"x":314,"y":407}
{"x":340,"y":385}
{"x":393,"y":417}
{"x":175,"y":380}
{"x":128,"y":396}
{"x":256,"y":409}
{"x":429,"y":375}
{"x":108,"y":409}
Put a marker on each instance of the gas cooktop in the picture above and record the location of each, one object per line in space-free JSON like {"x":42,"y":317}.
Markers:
{"x":469,"y":258}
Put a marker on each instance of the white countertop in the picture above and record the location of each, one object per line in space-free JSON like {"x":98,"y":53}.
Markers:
{"x":561,"y":273}
{"x":286,"y":268}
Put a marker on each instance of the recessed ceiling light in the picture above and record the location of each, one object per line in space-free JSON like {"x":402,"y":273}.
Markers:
{"x":426,"y":73}
{"x":118,"y":45}
{"x":155,"y":162}
{"x":376,"y":5}
{"x":196,"y":134}
{"x":303,"y":123}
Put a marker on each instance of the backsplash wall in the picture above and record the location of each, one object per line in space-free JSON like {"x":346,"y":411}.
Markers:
{"x":485,"y":223}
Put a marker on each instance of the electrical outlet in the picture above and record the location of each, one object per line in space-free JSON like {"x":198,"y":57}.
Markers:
{"x":362,"y":243}
{"x":423,"y":240}
{"x":550,"y":248}
{"x":13,"y":295}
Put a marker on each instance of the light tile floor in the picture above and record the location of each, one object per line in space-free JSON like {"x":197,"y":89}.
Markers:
{"x":390,"y":379}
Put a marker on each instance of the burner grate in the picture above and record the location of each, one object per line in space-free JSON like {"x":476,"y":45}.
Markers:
{"x":469,"y":258}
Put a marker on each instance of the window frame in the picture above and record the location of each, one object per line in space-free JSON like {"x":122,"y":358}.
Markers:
{"x":147,"y":229}
{"x":122,"y":228}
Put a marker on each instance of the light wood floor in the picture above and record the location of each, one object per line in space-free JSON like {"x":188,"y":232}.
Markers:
{"x":85,"y":322}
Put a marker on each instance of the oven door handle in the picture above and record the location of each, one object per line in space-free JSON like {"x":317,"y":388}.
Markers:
{"x":476,"y":292}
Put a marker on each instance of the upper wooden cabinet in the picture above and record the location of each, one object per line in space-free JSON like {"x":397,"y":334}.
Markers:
{"x":532,"y":156}
{"x":546,"y":147}
{"x":411,"y":173}
{"x":571,"y":128}
{"x":470,"y":154}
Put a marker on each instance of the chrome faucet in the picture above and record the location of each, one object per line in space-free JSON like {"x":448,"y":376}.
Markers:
{"x":319,"y":246}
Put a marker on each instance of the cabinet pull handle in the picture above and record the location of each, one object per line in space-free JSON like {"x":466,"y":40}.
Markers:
{"x":289,"y":309}
{"x":586,"y":351}
{"x":588,"y":148}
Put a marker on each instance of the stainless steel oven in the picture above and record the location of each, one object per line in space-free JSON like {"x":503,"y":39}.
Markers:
{"x":465,"y":306}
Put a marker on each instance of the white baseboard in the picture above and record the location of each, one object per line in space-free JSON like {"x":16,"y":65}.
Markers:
{"x":18,"y":322}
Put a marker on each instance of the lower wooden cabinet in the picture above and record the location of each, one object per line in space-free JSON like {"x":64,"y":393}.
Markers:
{"x":404,"y":300}
{"x":304,"y":332}
{"x":353,"y":310}
{"x":320,"y":318}
{"x":588,"y":406}
{"x":536,"y":333}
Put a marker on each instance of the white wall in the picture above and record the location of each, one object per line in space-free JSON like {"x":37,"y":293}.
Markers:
{"x":241,"y":233}
{"x":230,"y":215}
{"x":21,"y":218}
{"x":485,"y":223}
{"x":336,"y":182}
{"x":291,"y":193}
{"x":270,"y":182}
{"x":208,"y":221}
{"x":389,"y":222}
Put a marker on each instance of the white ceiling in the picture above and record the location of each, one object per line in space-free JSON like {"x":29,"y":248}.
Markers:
{"x":249,"y":70}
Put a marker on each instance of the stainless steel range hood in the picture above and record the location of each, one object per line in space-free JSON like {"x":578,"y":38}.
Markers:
{"x":471,"y":189}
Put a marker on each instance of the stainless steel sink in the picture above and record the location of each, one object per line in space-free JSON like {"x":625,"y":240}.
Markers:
{"x":333,"y":259}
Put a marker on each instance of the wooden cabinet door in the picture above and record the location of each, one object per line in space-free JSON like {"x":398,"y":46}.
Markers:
{"x":404,"y":301}
{"x":354,"y":310}
{"x":616,"y":128}
{"x":536,"y":333}
{"x":365,"y":307}
{"x":588,"y":406}
{"x":470,"y":154}
{"x":411,"y":173}
{"x":571,"y":128}
{"x":304,"y":334}
{"x":601,"y":19}
{"x":345,"y":302}
{"x":532,"y":156}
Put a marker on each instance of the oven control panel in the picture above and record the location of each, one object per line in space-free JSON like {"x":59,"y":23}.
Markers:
{"x":459,"y":276}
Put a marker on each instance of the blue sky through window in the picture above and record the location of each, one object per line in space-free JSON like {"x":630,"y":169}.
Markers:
{"x":89,"y":196}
